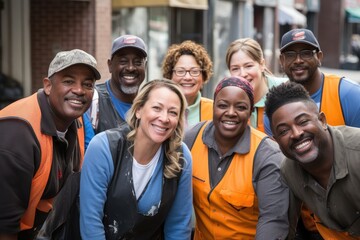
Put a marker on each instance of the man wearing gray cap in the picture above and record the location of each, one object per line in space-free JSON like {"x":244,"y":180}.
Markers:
{"x":43,"y":143}
{"x":112,"y":99}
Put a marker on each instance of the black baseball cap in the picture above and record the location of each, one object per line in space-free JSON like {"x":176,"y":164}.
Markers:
{"x":126,"y":41}
{"x":299,"y":36}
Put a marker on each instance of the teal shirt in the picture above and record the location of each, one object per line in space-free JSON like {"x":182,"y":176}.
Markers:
{"x":193,"y":113}
{"x":271,"y":82}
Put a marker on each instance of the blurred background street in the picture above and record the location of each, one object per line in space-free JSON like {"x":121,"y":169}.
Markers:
{"x":33,"y":31}
{"x":351,"y":74}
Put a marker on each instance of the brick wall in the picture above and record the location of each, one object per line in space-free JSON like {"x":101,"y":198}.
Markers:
{"x":103,"y":35}
{"x":58,"y":25}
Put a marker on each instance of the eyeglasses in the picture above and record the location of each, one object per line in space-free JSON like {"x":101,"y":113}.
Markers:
{"x":304,"y":55}
{"x":194,"y":72}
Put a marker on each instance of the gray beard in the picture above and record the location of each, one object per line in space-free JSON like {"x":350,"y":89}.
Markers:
{"x":129,"y":90}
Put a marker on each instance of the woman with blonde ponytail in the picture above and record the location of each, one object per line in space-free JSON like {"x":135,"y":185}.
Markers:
{"x":136,"y":179}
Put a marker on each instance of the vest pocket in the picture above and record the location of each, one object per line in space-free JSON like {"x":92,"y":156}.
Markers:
{"x":238,"y":199}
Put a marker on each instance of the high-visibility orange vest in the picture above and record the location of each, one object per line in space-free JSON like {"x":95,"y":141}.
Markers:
{"x":206,"y":109}
{"x":330,"y":101}
{"x":260,"y":119}
{"x":28,"y":110}
{"x":230,"y":210}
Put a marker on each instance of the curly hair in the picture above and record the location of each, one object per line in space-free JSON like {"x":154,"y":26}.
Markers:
{"x":188,"y":47}
{"x":172,"y":144}
{"x":285,"y":93}
{"x":249,"y":46}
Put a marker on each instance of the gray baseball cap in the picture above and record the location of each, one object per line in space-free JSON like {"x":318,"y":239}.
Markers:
{"x":66,"y":59}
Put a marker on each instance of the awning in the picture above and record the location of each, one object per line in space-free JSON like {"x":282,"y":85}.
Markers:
{"x":289,"y":15}
{"x":353,"y":15}
{"x":191,"y":4}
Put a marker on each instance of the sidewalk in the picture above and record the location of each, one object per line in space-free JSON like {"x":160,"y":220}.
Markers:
{"x":351,"y":74}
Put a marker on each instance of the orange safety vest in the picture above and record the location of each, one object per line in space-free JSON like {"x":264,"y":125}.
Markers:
{"x":28,"y":109}
{"x":206,"y":109}
{"x":330,"y":101}
{"x":230,"y":210}
{"x":260,"y":119}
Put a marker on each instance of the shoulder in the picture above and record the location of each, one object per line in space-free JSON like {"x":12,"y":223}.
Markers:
{"x":100,"y":86}
{"x":99,"y":141}
{"x":187,"y":156}
{"x":102,"y":89}
{"x":191,"y":133}
{"x":268,"y":152}
{"x":348,"y":85}
{"x":119,"y":132}
{"x":275,"y":81}
{"x":205,"y":100}
{"x":348,"y":135}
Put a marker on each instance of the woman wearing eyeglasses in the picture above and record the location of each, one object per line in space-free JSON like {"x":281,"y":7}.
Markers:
{"x":245,"y":58}
{"x":190,"y":66}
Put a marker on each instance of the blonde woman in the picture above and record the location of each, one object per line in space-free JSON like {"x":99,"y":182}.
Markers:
{"x":136,"y":179}
{"x":245,"y":58}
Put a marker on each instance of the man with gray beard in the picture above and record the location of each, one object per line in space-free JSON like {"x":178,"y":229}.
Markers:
{"x":113,"y":98}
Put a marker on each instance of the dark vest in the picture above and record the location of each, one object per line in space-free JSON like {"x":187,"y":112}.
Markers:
{"x":108,"y":116}
{"x":122,"y":211}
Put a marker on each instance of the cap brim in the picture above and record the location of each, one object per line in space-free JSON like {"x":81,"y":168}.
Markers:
{"x":138,"y":48}
{"x":96,"y":72}
{"x":299,"y":41}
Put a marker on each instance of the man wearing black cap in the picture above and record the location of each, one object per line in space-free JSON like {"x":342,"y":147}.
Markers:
{"x":112,"y":99}
{"x":335,"y":96}
{"x":42,"y":143}
{"x":338,"y":97}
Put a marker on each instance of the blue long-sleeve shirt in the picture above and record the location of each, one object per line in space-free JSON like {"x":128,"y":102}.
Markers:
{"x":97,"y":172}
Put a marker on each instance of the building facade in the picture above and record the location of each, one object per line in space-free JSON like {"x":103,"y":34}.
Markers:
{"x":33,"y":31}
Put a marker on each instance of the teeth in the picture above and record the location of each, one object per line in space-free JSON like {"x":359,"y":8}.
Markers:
{"x":302,"y":145}
{"x":230,"y":122}
{"x":187,"y":85}
{"x":129,"y":77}
{"x":160,"y":129}
{"x":75,"y":101}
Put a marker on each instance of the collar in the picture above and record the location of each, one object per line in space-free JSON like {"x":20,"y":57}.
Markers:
{"x":242,"y":146}
{"x":196,"y":103}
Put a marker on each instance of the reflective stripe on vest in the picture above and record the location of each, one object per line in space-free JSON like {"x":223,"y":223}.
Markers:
{"x":230,"y":210}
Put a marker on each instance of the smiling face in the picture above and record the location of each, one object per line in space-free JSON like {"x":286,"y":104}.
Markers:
{"x":301,"y":132}
{"x":301,"y":70}
{"x":127,"y":68}
{"x":69,"y":93}
{"x":159,"y":116}
{"x":232,"y":110}
{"x":190,"y":85}
{"x":242,"y":65}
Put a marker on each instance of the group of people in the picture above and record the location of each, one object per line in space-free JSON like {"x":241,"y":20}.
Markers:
{"x":265,"y":158}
